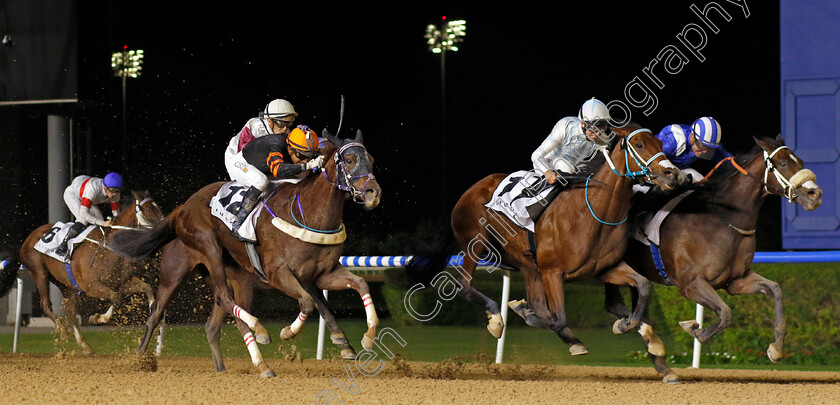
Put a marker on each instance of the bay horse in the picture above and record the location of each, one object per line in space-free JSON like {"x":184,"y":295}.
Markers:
{"x":298,"y":269}
{"x":708,"y":239}
{"x":96,"y":271}
{"x":581,"y":234}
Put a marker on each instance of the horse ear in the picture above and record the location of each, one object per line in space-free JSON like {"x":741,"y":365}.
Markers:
{"x":359,"y":138}
{"x":779,"y":139}
{"x":330,"y":137}
{"x":762,"y":144}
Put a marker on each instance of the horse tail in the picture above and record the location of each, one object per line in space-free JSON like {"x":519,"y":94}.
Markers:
{"x":8,"y":271}
{"x":140,"y":243}
{"x":432,"y":256}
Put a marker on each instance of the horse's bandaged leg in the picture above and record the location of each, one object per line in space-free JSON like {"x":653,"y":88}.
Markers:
{"x":372,"y":319}
{"x":244,"y":316}
{"x":298,"y":323}
{"x":251,"y":344}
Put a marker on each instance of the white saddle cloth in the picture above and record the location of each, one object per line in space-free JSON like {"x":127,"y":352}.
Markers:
{"x":517,"y":192}
{"x":228,"y":199}
{"x":53,"y":238}
{"x":646,"y":228}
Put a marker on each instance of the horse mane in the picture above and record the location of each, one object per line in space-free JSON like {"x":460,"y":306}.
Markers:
{"x":726,"y":170}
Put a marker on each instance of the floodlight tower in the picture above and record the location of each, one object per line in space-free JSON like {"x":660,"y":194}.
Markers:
{"x":441,"y":39}
{"x":126,"y":64}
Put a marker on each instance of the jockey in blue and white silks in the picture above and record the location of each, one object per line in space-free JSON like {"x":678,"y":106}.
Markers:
{"x":684,"y":144}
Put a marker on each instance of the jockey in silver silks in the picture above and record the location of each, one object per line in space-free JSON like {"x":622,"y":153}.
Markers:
{"x":278,"y":118}
{"x":572,"y":141}
{"x":82,"y":197}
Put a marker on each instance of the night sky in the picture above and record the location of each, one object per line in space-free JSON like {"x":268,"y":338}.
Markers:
{"x":521,"y":68}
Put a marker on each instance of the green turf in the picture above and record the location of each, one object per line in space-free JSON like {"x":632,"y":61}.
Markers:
{"x":524,"y":345}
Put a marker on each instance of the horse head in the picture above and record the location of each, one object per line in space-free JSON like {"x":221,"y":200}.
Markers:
{"x":645,"y":160}
{"x":789,"y":177}
{"x":354,"y":170}
{"x":139,"y":210}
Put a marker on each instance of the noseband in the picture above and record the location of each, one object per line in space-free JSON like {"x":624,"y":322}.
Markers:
{"x":787,"y":185}
{"x":640,"y":161}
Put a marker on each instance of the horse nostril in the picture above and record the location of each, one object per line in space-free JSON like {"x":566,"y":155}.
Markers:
{"x":813,"y":194}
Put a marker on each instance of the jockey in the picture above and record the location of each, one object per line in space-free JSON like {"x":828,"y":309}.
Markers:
{"x":683,"y":144}
{"x":277,"y":156}
{"x":82,"y":197}
{"x":573,"y":140}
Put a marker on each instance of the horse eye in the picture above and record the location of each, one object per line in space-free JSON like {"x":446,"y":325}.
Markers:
{"x":783,"y":164}
{"x":640,"y":145}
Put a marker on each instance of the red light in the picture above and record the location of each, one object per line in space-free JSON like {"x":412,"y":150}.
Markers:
{"x":125,"y":46}
{"x":443,"y":18}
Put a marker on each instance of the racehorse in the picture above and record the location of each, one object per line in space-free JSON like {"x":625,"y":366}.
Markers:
{"x":297,"y":268}
{"x":708,"y":239}
{"x":581,"y":234}
{"x":95,"y":269}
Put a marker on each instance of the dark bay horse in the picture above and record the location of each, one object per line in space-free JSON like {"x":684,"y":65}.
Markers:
{"x":299,"y":269}
{"x":581,"y":234}
{"x":708,"y":240}
{"x":96,"y":270}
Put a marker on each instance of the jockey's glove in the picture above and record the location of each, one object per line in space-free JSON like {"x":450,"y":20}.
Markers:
{"x":316,"y":163}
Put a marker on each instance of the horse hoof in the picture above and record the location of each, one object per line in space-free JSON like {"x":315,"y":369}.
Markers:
{"x":263,"y":339}
{"x":87,"y":351}
{"x":578,"y":349}
{"x":671,"y":379}
{"x":774,"y":355}
{"x":495,"y":326}
{"x":367,"y":342}
{"x":348,"y":354}
{"x":689,"y":326}
{"x":268,"y":374}
{"x":286,"y":334}
{"x":621,"y":326}
{"x":514,"y":305}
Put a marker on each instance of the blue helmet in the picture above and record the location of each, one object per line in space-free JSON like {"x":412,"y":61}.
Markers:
{"x":113,"y":180}
{"x":707,"y":131}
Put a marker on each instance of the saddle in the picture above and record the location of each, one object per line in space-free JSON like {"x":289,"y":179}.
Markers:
{"x":52,"y":240}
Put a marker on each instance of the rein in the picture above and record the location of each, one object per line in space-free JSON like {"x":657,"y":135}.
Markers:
{"x":640,"y":161}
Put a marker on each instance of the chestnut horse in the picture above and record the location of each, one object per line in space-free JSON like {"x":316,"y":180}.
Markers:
{"x":297,"y":268}
{"x":708,"y":239}
{"x":96,"y":270}
{"x":581,"y":234}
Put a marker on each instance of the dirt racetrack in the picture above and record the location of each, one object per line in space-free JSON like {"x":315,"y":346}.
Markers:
{"x":126,"y":379}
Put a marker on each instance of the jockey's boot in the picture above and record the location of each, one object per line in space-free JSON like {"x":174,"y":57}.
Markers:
{"x":74,"y":231}
{"x":249,"y":201}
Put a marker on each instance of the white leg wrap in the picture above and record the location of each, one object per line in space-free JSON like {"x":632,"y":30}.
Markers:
{"x":107,"y":315}
{"x":372,"y":320}
{"x":251,"y":344}
{"x":298,"y":323}
{"x":244,"y":316}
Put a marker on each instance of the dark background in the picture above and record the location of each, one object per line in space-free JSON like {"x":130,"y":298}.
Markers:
{"x":521,"y":67}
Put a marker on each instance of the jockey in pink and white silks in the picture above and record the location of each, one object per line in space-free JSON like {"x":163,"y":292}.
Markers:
{"x":82,"y":197}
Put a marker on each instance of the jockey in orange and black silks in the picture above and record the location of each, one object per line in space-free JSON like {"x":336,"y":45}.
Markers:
{"x":279,"y":157}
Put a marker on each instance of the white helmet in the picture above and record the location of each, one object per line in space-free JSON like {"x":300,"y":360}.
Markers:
{"x":593,"y":110}
{"x":278,"y":108}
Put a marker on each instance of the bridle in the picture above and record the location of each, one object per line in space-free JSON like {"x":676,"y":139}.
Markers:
{"x":787,"y":185}
{"x":344,"y":180}
{"x":142,"y":221}
{"x":637,"y":157}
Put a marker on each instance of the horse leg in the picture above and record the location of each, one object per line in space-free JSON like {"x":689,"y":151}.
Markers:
{"x":242,"y":284}
{"x":337,"y":336}
{"x":700,"y":291}
{"x":70,"y":300}
{"x":340,"y":279}
{"x":535,"y":312}
{"x":495,"y":325}
{"x":135,"y":285}
{"x":96,"y":289}
{"x":753,"y":283}
{"x":623,"y":274}
{"x":39,"y":274}
{"x":213,"y":328}
{"x":282,"y":279}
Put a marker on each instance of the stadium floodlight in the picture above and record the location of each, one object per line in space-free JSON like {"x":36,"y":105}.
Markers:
{"x":447,"y":36}
{"x":127,"y":63}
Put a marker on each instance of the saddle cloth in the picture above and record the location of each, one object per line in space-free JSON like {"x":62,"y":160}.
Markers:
{"x":227,"y":200}
{"x":53,"y":238}
{"x":646,"y":226}
{"x":521,"y":197}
